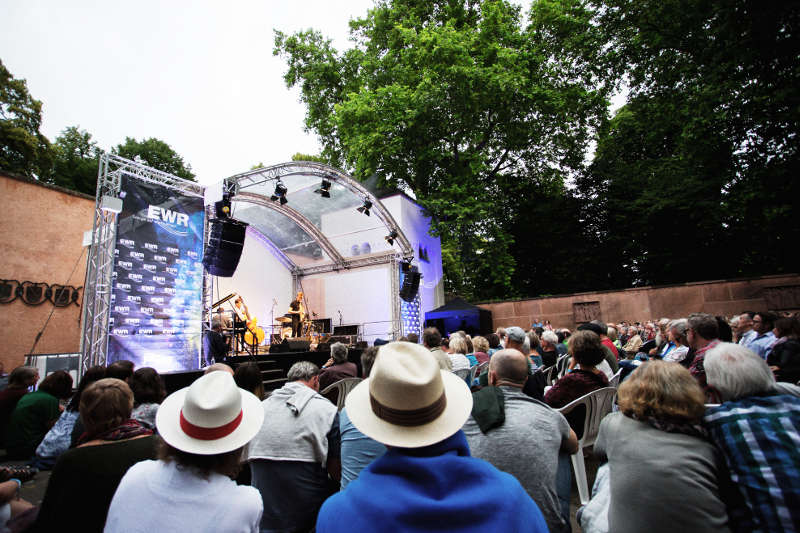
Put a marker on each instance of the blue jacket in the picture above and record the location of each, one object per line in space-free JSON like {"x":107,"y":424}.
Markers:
{"x":435,"y":488}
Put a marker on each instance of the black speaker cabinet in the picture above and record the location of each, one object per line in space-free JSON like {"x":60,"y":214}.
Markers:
{"x":224,"y":249}
{"x":290,"y":345}
{"x":410,"y":286}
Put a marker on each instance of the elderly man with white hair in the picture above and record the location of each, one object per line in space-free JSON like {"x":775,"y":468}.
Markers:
{"x":758,"y":430}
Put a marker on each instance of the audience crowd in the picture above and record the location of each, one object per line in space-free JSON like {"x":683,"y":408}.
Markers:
{"x":453,"y":433}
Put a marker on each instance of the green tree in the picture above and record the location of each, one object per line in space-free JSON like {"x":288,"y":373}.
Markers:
{"x":696,"y":177}
{"x":309,"y":157}
{"x":157,"y":154}
{"x":75,"y":161}
{"x":456,"y":101}
{"x":24,"y":149}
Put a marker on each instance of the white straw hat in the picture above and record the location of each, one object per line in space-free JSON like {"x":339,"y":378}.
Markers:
{"x":210,"y":417}
{"x":407,"y":401}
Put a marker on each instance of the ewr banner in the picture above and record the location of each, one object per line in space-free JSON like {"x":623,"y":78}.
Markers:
{"x":156,"y":303}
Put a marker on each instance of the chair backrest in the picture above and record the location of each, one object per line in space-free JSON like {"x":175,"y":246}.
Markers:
{"x":462,"y":373}
{"x":473,"y":372}
{"x":614,"y":381}
{"x":483,"y":366}
{"x":550,"y":375}
{"x":598,"y":404}
{"x":343,"y":386}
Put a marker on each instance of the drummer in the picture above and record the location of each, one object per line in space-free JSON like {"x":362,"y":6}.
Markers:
{"x":297,"y":311}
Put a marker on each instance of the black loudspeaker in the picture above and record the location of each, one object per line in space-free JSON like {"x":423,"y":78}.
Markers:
{"x":351,"y":329}
{"x":290,"y":345}
{"x":224,"y":249}
{"x":410,"y":286}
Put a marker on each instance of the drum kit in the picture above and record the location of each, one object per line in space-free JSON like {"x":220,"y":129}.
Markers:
{"x":308,"y":328}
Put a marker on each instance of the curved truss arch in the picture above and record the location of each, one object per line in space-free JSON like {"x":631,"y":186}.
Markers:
{"x":238,"y":184}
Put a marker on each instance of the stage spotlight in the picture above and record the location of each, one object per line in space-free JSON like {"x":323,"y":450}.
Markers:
{"x":324,"y":189}
{"x":365,"y":207}
{"x":391,"y":237}
{"x":280,"y":193}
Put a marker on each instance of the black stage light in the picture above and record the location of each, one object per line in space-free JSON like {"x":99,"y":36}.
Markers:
{"x":324,"y":189}
{"x":280,"y":193}
{"x":365,"y":207}
{"x":391,"y":237}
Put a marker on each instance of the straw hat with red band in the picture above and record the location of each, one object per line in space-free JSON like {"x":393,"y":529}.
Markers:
{"x":407,"y":401}
{"x":209,"y":417}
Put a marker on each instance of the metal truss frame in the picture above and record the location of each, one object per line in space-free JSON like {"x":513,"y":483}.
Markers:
{"x":238,"y":184}
{"x":100,"y":263}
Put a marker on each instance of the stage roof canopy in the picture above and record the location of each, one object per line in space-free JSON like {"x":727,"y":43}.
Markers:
{"x":310,"y":232}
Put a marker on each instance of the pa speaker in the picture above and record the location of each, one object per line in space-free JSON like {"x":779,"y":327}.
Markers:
{"x":410,"y":286}
{"x":224,"y":249}
{"x":290,"y":345}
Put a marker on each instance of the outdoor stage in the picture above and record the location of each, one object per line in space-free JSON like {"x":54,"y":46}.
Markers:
{"x":274,"y":367}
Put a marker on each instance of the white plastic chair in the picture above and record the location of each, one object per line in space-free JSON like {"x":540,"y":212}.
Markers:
{"x":550,"y":374}
{"x":463,"y":373}
{"x":473,"y":373}
{"x":344,"y":386}
{"x":614,"y":381}
{"x":598,"y":405}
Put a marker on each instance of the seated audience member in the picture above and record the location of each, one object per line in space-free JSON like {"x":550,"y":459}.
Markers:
{"x":784,"y":358}
{"x":335,"y":369}
{"x":203,"y":430}
{"x":121,"y":369}
{"x":533,"y":346}
{"x":432,"y":340}
{"x":583,"y":376}
{"x":761,"y":342}
{"x":757,"y":429}
{"x":677,"y":346}
{"x":426,"y":480}
{"x":520,"y":435}
{"x":501,"y":336}
{"x":563,"y":337}
{"x":148,"y":393}
{"x":494,"y":343}
{"x":657,"y":440}
{"x":248,"y":377}
{"x":215,"y":345}
{"x":19,"y":381}
{"x":481,"y":352}
{"x":84,"y":478}
{"x":358,"y":450}
{"x":516,"y":339}
{"x":602,"y":330}
{"x":634,"y":341}
{"x":458,"y":353}
{"x":413,"y":338}
{"x":702,"y":334}
{"x":11,"y":505}
{"x":609,"y":355}
{"x":35,"y":414}
{"x":295,"y":452}
{"x":549,"y":351}
{"x":725,"y":330}
{"x":59,"y":438}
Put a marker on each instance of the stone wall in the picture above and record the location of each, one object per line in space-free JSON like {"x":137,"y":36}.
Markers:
{"x":727,"y":297}
{"x":41,"y":231}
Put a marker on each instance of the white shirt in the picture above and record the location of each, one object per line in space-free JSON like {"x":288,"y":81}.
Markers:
{"x":157,"y":496}
{"x":460,"y":361}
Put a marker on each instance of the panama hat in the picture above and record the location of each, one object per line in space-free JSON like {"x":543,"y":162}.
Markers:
{"x":407,"y":401}
{"x":210,"y":417}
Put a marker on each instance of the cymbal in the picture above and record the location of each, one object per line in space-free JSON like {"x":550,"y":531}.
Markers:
{"x":283,"y":319}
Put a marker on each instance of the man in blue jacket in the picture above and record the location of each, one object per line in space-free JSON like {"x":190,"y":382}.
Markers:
{"x":427,"y":480}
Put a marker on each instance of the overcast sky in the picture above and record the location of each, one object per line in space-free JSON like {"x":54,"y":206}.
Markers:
{"x":198,"y":75}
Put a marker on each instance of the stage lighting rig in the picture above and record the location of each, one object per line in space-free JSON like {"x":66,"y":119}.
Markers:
{"x":365,"y":207}
{"x":324,"y":189}
{"x":280,"y":193}
{"x":391,"y":237}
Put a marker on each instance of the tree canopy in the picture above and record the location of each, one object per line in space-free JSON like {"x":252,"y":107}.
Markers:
{"x":461,"y":104}
{"x":157,"y":154}
{"x":75,"y":161}
{"x":24,"y":150}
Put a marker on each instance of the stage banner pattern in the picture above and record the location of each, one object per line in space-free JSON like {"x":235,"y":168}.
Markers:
{"x":156,"y":303}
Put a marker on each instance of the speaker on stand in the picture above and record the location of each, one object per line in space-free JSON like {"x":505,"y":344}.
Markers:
{"x":225,"y":243}
{"x":410,"y":285}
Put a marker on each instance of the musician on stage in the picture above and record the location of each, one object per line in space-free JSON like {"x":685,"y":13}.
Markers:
{"x":240,"y":318}
{"x":298,"y":313}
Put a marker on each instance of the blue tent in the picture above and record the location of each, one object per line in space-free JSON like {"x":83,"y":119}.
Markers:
{"x":458,"y":315}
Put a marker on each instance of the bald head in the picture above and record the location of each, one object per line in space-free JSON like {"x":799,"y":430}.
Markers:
{"x":508,"y":367}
